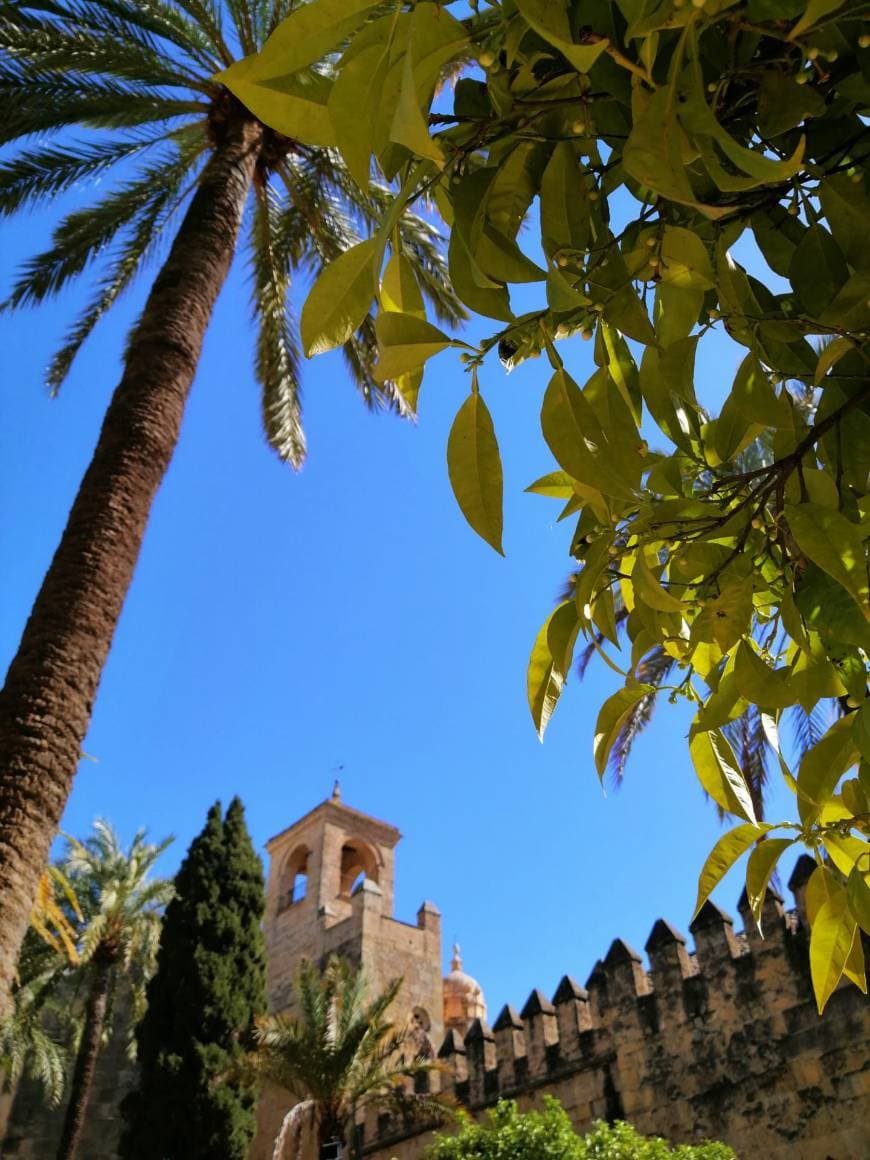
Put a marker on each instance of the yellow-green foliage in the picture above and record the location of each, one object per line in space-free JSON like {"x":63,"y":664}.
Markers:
{"x":651,"y":136}
{"x":508,"y":1134}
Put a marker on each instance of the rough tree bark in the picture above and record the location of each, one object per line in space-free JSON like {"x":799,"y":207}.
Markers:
{"x":45,"y":705}
{"x":86,"y":1058}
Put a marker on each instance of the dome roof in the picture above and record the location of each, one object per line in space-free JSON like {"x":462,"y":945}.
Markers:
{"x":463,"y":997}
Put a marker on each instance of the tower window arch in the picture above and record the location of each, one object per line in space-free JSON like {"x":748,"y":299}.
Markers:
{"x":294,"y":878}
{"x":358,"y":862}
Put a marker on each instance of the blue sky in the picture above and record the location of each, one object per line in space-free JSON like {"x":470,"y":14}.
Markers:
{"x":281,"y":626}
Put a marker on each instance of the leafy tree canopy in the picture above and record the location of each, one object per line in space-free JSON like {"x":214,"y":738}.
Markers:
{"x":647,"y":137}
{"x":549,"y":1135}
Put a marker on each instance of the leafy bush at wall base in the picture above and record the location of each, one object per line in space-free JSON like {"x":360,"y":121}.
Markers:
{"x":548,"y":1134}
{"x":648,"y":139}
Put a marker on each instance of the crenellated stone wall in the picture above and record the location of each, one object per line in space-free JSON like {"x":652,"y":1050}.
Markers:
{"x":720,"y":1042}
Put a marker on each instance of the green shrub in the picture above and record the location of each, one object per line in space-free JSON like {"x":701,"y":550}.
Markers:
{"x":506,"y":1133}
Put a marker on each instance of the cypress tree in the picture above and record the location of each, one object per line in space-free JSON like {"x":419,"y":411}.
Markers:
{"x":209,"y":984}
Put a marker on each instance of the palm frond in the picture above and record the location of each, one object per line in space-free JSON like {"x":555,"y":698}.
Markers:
{"x":749,"y":742}
{"x":161,"y":19}
{"x":82,"y":46}
{"x":277,"y":355}
{"x":39,"y":175}
{"x":82,"y":235}
{"x":808,"y":728}
{"x":208,"y":15}
{"x":141,"y":241}
{"x":41,"y":103}
{"x":654,"y":670}
{"x":244,"y":21}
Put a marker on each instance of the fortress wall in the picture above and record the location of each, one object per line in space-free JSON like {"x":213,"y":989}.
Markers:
{"x":723,"y":1042}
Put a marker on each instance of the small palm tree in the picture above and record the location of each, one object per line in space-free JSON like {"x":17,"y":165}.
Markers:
{"x":340,"y":1055}
{"x":27,"y":1045}
{"x":122,"y":906}
{"x":124,"y":89}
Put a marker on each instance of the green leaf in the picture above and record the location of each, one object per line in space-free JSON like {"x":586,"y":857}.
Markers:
{"x":782,"y":103}
{"x":858,"y":893}
{"x":653,"y":153}
{"x":675,"y":312}
{"x":757,"y":682}
{"x":611,"y":718}
{"x":829,"y":610}
{"x":309,"y":33}
{"x":557,"y":484}
{"x":755,"y":399}
{"x":726,"y":618}
{"x":550,"y":20}
{"x":295,"y":104}
{"x":830,"y":354}
{"x":861,"y":729}
{"x":699,"y":120}
{"x":549,"y":663}
{"x":400,"y":291}
{"x":340,"y":298}
{"x":406,"y":342}
{"x":353,"y":105}
{"x":823,"y":765}
{"x":813,"y":13}
{"x":474,"y":465}
{"x":835,"y":544}
{"x":409,"y":127}
{"x":762,"y":862}
{"x":575,"y":436}
{"x":831,"y":938}
{"x":723,"y":856}
{"x":434,"y":39}
{"x":719,"y":774}
{"x":685,"y":261}
{"x":818,"y":270}
{"x":565,"y":216}
{"x":847,"y":210}
{"x":650,"y":591}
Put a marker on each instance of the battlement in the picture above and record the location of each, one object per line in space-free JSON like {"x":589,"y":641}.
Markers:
{"x":685,"y":1047}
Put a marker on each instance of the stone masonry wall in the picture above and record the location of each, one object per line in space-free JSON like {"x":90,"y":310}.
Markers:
{"x":723,"y":1042}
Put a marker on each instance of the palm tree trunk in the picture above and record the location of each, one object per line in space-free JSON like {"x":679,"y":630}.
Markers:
{"x":86,"y":1059}
{"x":45,"y":706}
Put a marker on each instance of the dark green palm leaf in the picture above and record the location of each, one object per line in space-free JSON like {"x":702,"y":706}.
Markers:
{"x":42,"y":174}
{"x":41,"y":103}
{"x":76,"y":49}
{"x":277,"y":355}
{"x":82,"y":235}
{"x":134,"y":252}
{"x":159,"y":19}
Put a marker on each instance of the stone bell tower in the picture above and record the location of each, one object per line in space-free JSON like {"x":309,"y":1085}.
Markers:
{"x":330,"y":891}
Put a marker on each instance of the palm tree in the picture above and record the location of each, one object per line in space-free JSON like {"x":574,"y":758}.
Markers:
{"x":340,"y":1055}
{"x":123,"y":907}
{"x":31,"y":1042}
{"x":137,"y":77}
